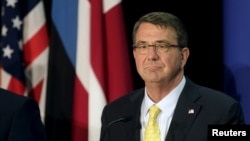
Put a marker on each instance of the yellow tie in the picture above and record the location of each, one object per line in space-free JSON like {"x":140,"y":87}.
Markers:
{"x":152,"y":131}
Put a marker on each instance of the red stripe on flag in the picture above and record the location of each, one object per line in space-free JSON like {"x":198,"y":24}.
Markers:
{"x":16,"y":86}
{"x":117,"y":54}
{"x":80,"y":113}
{"x":97,"y":43}
{"x":37,"y":44}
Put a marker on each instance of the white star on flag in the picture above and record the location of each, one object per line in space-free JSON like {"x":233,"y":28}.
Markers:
{"x":17,"y":23}
{"x":4,"y":30}
{"x":11,"y":3}
{"x":7,"y":52}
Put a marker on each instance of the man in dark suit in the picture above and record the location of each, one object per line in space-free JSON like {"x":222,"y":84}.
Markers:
{"x":186,"y":109}
{"x":19,"y":118}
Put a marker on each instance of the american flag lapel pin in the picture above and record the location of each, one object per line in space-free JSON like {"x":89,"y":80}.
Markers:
{"x":191,"y":111}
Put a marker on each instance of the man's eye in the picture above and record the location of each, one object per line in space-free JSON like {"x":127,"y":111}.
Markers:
{"x":161,"y":45}
{"x":142,"y":46}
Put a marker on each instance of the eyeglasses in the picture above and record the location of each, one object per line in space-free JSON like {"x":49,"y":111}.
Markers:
{"x":160,"y":47}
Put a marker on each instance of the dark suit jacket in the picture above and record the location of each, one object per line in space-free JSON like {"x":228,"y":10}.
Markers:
{"x":210,"y":107}
{"x":19,"y":118}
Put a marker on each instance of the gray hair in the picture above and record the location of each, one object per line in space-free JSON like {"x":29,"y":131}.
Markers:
{"x":163,"y":19}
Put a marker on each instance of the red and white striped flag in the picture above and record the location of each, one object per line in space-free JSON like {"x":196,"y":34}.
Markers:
{"x":89,"y":44}
{"x":108,"y":67}
{"x":24,"y":49}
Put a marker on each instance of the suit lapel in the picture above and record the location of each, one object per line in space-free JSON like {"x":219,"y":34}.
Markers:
{"x":135,"y":110}
{"x":185,"y":112}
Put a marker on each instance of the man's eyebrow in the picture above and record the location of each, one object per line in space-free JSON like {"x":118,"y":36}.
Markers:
{"x":162,"y":41}
{"x":141,"y":42}
{"x":158,"y":41}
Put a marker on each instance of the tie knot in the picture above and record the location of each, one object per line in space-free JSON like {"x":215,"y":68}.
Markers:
{"x":154,"y":111}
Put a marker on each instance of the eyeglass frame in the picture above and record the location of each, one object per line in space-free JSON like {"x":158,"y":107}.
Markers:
{"x":156,"y":48}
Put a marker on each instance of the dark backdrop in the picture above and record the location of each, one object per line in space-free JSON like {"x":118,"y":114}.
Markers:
{"x":203,"y":20}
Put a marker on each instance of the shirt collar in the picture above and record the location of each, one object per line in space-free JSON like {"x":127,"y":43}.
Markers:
{"x":168,"y":101}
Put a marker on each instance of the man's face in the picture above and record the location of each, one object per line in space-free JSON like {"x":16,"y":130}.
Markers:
{"x":155,"y":66}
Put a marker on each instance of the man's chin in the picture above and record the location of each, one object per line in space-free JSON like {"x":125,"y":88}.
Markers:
{"x":152,"y":80}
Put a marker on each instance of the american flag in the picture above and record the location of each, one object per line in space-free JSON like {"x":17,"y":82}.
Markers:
{"x":24,"y":49}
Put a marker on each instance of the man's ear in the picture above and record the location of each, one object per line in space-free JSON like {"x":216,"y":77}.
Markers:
{"x":185,"y":54}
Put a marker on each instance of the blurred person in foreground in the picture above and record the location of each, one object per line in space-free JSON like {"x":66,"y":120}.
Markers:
{"x":186,"y":109}
{"x":20,"y":118}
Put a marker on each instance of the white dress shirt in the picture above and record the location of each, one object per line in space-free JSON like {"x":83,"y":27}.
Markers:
{"x":167,"y":106}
